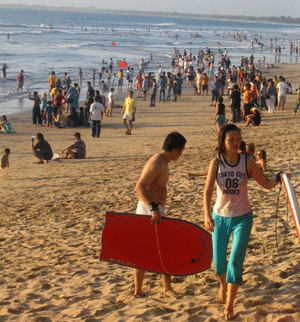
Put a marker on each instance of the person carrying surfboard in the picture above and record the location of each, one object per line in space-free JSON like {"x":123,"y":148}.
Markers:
{"x":152,"y":191}
{"x":232,"y":212}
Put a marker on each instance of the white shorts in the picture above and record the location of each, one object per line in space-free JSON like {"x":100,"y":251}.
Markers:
{"x":143,"y":209}
{"x":129,"y":117}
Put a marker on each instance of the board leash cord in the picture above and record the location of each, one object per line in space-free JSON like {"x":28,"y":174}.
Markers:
{"x":159,"y":250}
{"x":276,"y":219}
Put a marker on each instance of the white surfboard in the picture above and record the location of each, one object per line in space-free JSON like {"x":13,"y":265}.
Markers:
{"x":293,"y":202}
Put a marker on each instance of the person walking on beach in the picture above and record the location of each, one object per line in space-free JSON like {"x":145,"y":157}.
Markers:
{"x":232,"y":213}
{"x":162,"y":88}
{"x":215,"y":91}
{"x":281,"y":92}
{"x":111,"y":102}
{"x":96,"y":115}
{"x":52,"y":81}
{"x":152,"y":191}
{"x":271,"y":96}
{"x":128,"y":112}
{"x":153,"y":93}
{"x":36,"y":111}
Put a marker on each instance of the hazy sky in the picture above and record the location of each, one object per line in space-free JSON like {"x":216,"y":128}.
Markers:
{"x":235,"y":7}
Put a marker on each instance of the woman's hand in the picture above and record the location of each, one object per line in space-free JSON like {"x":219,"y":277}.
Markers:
{"x":209,"y":224}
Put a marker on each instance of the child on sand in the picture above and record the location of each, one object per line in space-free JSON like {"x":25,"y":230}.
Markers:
{"x":250,"y":150}
{"x":5,"y":164}
{"x":232,"y":211}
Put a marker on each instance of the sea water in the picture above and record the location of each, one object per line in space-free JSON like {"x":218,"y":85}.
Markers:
{"x":40,"y":41}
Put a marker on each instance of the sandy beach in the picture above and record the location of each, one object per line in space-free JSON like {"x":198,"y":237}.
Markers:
{"x":52,"y":217}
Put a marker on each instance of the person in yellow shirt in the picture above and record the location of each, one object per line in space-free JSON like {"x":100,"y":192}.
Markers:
{"x":52,"y":81}
{"x":128,"y":112}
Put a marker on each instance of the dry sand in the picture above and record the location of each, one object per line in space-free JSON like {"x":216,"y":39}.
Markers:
{"x":52,"y":217}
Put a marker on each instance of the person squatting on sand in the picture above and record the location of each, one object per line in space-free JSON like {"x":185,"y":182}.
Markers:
{"x":42,"y":150}
{"x":232,"y":211}
{"x":152,"y":191}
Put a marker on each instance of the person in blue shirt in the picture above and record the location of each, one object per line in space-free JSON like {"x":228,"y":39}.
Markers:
{"x":49,"y":111}
{"x":215,"y":91}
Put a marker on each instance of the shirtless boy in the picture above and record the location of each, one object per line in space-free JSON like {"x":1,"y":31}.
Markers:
{"x":152,"y":191}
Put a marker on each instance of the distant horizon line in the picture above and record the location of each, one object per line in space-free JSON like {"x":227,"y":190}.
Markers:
{"x":278,"y":19}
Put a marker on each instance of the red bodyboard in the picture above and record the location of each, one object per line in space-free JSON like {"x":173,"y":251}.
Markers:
{"x":175,"y":247}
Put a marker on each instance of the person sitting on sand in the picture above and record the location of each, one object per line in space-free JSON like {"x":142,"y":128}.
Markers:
{"x":76,"y":150}
{"x":42,"y":150}
{"x":261,"y":160}
{"x":152,"y":191}
{"x":253,"y":118}
{"x":5,"y":126}
{"x":250,"y":150}
{"x":60,"y":120}
{"x":232,"y":213}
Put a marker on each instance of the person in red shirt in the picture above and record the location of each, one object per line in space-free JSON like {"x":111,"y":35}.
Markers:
{"x":20,"y":81}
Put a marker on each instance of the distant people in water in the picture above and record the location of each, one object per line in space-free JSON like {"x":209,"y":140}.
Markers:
{"x":20,"y":82}
{"x":3,"y":70}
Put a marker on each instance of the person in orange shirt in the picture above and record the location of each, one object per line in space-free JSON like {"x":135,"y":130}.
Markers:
{"x":52,"y":81}
{"x":247,"y":99}
{"x":205,"y":80}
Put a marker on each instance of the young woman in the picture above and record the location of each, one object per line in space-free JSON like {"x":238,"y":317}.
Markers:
{"x":232,"y":212}
{"x":261,"y":160}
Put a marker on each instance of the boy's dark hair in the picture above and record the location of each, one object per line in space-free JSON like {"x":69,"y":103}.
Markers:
{"x":35,"y":93}
{"x":77,"y":135}
{"x":174,"y":141}
{"x":7,"y":151}
{"x":97,"y":99}
{"x":81,"y":109}
{"x":4,"y":117}
{"x":40,"y":136}
{"x":243,"y":146}
{"x":49,"y":102}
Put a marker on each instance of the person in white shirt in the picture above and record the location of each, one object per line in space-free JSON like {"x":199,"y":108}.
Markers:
{"x":111,"y":102}
{"x":96,"y":115}
{"x":281,"y":91}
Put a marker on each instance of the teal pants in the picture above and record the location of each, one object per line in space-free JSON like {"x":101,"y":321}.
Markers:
{"x":240,"y":228}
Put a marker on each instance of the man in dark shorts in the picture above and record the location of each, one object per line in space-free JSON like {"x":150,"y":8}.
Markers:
{"x":76,"y":150}
{"x":42,"y":150}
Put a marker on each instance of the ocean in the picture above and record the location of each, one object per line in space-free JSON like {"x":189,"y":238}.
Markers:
{"x":44,"y":40}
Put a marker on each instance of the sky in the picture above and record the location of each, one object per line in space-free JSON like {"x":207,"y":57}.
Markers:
{"x":230,"y":7}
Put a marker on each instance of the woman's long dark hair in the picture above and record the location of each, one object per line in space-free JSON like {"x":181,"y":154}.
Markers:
{"x":221,"y":139}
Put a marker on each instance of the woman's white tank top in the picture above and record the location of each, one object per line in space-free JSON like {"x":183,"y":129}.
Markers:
{"x":232,"y":194}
